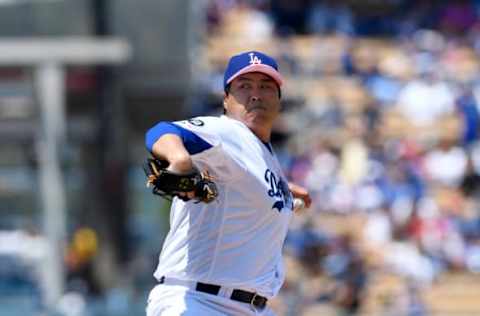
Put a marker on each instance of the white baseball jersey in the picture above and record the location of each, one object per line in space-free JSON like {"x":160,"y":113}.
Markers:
{"x":235,"y":241}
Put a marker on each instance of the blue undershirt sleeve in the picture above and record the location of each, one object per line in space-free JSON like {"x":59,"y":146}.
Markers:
{"x":192,"y":142}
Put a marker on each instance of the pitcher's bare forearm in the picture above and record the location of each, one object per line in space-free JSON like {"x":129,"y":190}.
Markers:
{"x":170,"y":147}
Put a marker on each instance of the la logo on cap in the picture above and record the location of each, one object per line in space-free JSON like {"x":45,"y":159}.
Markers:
{"x":254,"y":59}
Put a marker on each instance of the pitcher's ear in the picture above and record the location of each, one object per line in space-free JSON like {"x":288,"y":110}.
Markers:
{"x":224,"y":104}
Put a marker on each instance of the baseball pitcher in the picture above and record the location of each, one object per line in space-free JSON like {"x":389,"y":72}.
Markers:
{"x":231,"y":201}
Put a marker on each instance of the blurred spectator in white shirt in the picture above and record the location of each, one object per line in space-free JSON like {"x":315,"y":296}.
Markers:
{"x":446,"y":164}
{"x":425,"y":100}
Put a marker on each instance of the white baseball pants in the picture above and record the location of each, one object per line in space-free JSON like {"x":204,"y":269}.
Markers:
{"x":177,"y":300}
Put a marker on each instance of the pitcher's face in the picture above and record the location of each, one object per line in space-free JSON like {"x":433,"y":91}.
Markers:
{"x":254,"y":99}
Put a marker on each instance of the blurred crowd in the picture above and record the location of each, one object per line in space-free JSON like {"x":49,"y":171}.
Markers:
{"x":381,"y":122}
{"x":357,"y":18}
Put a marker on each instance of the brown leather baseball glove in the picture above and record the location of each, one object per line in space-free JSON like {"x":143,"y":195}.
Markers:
{"x":168,"y":184}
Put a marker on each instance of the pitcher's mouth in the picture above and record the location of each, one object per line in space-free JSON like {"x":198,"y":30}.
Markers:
{"x":257,"y":108}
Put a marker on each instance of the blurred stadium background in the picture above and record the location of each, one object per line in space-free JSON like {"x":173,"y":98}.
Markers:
{"x":381,"y":122}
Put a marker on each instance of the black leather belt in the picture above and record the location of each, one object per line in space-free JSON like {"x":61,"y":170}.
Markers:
{"x":237,"y":295}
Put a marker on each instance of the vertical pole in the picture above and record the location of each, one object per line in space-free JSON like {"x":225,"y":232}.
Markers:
{"x":111,"y":144}
{"x":49,"y":78}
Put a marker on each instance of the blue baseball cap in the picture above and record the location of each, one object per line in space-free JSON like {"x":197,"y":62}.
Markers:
{"x":252,"y":61}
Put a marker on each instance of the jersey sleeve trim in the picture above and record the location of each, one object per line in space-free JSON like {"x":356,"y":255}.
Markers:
{"x":192,"y":142}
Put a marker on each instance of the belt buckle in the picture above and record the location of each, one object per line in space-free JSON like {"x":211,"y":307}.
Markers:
{"x":260,"y":305}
